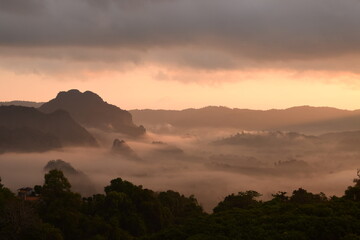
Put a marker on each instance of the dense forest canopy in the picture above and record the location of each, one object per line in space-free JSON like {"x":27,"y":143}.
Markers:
{"x":127,"y":211}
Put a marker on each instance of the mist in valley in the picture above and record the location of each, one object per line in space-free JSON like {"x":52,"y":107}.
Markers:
{"x":209,"y":164}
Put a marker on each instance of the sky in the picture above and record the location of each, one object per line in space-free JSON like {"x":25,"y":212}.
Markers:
{"x":176,"y":54}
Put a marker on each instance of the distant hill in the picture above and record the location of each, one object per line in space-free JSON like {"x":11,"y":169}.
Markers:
{"x":344,"y":141}
{"x":120,"y":147}
{"x":28,"y":129}
{"x":90,"y":110}
{"x":349,"y":122}
{"x":268,"y":139}
{"x":302,"y":119}
{"x":79,"y":181}
{"x":348,"y":141}
{"x":24,"y":139}
{"x":22,"y":103}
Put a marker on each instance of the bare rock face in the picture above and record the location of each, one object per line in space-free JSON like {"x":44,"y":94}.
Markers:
{"x":122,"y":148}
{"x":90,"y":110}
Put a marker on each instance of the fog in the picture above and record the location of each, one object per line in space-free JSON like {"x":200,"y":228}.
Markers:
{"x":202,"y":163}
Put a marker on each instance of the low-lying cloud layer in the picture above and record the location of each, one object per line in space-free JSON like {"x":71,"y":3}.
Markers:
{"x":201,"y":34}
{"x":191,"y":164}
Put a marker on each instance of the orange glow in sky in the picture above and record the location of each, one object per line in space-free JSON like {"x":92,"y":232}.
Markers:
{"x":141,"y":88}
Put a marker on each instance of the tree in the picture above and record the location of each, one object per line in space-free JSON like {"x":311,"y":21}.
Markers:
{"x":147,"y":207}
{"x":59,"y":206}
{"x":179,"y":207}
{"x":303,"y":196}
{"x":353,"y":192}
{"x":55,"y":184}
{"x":241,"y":200}
{"x":5,"y":195}
{"x":280,"y":196}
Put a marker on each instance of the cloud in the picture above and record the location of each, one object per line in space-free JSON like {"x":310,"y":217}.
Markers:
{"x":199,"y":34}
{"x":21,"y":6}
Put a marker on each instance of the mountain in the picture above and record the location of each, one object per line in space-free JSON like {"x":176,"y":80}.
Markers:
{"x":120,"y":147}
{"x":266,"y":139}
{"x":348,"y":140}
{"x":91,"y":111}
{"x":79,"y":181}
{"x":22,"y":103}
{"x":341,"y":141}
{"x":26,"y":139}
{"x":28,"y":129}
{"x":303,"y":119}
{"x":164,"y":148}
{"x":346,"y":123}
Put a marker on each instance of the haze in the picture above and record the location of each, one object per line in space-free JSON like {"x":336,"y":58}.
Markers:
{"x":209,"y":171}
{"x":187,"y":54}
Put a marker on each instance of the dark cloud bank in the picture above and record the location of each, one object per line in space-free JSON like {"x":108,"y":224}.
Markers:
{"x":246,"y":33}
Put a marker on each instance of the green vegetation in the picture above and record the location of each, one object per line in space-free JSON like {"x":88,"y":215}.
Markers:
{"x":127,"y":211}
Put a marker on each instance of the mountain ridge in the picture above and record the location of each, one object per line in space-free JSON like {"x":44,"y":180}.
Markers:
{"x":58,"y":127}
{"x":91,"y":111}
{"x":299,"y":118}
{"x":22,"y":103}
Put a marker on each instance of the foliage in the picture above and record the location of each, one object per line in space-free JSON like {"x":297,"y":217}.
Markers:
{"x":241,"y":200}
{"x":130,"y":212}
